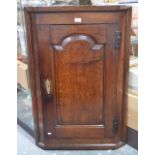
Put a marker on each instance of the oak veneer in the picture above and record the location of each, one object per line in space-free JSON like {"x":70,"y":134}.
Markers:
{"x":78,"y":65}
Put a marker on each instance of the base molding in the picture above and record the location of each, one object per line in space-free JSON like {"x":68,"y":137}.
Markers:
{"x":47,"y":146}
{"x":132,"y":139}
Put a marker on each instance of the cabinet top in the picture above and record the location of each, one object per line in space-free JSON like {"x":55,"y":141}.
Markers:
{"x":86,"y":8}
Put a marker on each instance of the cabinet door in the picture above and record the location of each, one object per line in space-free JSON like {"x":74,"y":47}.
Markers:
{"x":80,"y":89}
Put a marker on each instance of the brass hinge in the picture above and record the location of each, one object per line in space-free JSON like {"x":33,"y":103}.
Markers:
{"x":115,"y":124}
{"x":117,"y":39}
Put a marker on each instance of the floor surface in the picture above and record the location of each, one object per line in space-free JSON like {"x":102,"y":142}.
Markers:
{"x":26,"y":146}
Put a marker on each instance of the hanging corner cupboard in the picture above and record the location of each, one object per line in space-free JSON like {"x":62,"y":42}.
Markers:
{"x":78,"y":65}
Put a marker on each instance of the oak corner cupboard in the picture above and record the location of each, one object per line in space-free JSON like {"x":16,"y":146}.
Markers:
{"x":78,"y":64}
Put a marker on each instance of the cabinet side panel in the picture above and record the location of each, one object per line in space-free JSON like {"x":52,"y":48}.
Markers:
{"x":127,"y":27}
{"x":31,"y":69}
{"x":37,"y":78}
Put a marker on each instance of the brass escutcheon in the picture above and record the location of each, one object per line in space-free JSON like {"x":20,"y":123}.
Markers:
{"x":48,"y":86}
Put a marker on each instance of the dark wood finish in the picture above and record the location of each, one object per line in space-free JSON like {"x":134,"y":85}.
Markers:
{"x":84,"y":107}
{"x":68,"y":18}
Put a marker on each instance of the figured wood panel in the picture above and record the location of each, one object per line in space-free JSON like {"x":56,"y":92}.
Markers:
{"x":58,"y":33}
{"x":79,"y":80}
